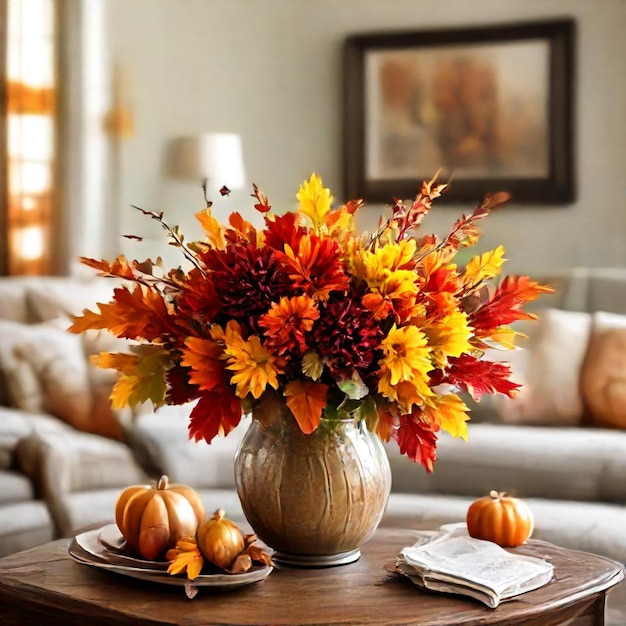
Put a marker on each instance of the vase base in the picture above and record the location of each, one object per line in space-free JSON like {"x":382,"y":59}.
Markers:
{"x":312,"y":561}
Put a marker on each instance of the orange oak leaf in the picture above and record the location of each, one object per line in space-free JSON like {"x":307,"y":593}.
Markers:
{"x":212,"y":228}
{"x":137,"y":314}
{"x":119,"y":267}
{"x":204,"y":357}
{"x":306,"y":400}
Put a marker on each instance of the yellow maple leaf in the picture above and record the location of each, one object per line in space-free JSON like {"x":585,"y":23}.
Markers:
{"x":484,"y":266}
{"x":306,"y":400}
{"x":450,"y":413}
{"x":315,"y":200}
{"x":141,"y":375}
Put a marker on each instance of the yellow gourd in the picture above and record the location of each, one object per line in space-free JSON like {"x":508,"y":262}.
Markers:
{"x":220,"y":540}
{"x":153,"y":518}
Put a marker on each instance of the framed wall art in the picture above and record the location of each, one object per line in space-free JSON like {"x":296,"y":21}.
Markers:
{"x":492,"y":108}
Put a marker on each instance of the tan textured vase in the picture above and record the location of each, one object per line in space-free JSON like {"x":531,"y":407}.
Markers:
{"x":315,"y":499}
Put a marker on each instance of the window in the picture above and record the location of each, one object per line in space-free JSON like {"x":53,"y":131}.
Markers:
{"x":30,"y":138}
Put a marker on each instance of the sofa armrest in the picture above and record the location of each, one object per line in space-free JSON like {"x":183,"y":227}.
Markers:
{"x":16,"y":425}
{"x":79,"y":475}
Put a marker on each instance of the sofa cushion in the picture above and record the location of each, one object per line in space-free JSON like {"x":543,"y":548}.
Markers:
{"x":161,"y":443}
{"x":578,"y":463}
{"x":49,"y":298}
{"x":548,"y":370}
{"x":24,"y":525}
{"x":13,"y":301}
{"x":66,"y":465}
{"x":603,"y":375}
{"x":589,"y":526}
{"x":49,"y":371}
{"x":16,"y":487}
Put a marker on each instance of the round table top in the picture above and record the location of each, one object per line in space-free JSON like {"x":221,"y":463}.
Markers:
{"x":49,"y":582}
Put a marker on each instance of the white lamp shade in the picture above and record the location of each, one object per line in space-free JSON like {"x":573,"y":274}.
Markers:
{"x":216,"y":157}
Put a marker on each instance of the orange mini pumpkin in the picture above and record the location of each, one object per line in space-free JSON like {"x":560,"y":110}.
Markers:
{"x":500,"y":518}
{"x":153,"y":518}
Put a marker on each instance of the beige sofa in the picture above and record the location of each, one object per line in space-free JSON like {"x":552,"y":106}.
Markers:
{"x":55,"y":478}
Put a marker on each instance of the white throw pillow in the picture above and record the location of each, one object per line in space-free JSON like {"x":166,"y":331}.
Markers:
{"x":548,"y":368}
{"x":47,"y":370}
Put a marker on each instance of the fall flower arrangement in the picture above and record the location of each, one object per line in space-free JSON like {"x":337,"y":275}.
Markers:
{"x":384,"y":327}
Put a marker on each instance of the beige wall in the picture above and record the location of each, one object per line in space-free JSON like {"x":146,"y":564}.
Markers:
{"x":271,"y":71}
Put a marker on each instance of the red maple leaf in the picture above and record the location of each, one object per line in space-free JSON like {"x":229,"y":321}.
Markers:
{"x":505,"y":305}
{"x":282,"y":230}
{"x":480,"y":377}
{"x":417,"y":440}
{"x":217,"y":412}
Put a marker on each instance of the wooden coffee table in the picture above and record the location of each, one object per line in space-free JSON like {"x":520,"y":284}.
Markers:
{"x":45,"y":586}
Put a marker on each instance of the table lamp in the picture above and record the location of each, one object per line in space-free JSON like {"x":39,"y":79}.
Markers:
{"x":214,"y":159}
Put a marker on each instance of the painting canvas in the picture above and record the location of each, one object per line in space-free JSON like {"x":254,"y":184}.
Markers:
{"x":491,"y":113}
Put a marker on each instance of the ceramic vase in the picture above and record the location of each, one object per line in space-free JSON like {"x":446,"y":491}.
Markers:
{"x":314,"y":499}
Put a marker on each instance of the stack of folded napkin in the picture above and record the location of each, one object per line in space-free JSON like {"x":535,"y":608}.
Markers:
{"x":451,"y":561}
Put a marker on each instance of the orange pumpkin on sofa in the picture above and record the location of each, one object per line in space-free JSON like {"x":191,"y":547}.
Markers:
{"x":153,"y":518}
{"x":500,"y":518}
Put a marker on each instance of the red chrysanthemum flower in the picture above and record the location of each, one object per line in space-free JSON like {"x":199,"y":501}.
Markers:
{"x":246,"y":281}
{"x":346,"y":334}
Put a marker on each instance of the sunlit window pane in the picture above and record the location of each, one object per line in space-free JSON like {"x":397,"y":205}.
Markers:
{"x":28,"y":203}
{"x":29,"y":243}
{"x":28,"y":17}
{"x":37,"y":67}
{"x":29,"y":178}
{"x":30,"y":137}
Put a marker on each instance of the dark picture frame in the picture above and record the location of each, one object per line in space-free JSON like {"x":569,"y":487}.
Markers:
{"x":491,"y":107}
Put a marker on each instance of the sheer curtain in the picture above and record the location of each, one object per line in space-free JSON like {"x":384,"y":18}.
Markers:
{"x":54,"y":149}
{"x":31,"y":238}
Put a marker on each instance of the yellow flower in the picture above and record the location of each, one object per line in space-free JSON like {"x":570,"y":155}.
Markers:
{"x":254,"y":365}
{"x":389,"y":273}
{"x":405,"y":366}
{"x":449,"y":337}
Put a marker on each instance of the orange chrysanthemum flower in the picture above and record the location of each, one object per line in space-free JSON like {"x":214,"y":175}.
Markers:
{"x":286,"y":324}
{"x":316,"y":267}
